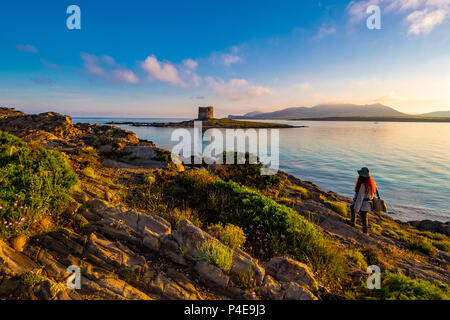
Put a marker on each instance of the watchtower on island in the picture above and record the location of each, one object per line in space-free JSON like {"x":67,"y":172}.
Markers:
{"x":205,"y":113}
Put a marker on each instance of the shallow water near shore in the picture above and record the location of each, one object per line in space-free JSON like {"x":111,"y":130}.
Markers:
{"x":409,"y":161}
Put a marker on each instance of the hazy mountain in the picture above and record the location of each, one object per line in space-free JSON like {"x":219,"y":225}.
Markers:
{"x":437,"y":114}
{"x":325,"y":110}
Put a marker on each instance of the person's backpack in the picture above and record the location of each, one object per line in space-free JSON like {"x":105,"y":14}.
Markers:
{"x":378,"y":204}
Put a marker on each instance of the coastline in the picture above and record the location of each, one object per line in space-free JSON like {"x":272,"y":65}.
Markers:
{"x":140,"y":221}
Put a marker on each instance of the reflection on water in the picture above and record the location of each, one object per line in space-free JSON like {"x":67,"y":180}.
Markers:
{"x":409,"y":161}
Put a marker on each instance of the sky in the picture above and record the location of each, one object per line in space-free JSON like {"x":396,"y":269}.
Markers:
{"x":165,"y":58}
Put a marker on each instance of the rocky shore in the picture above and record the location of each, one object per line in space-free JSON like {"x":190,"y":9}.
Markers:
{"x":124,"y":229}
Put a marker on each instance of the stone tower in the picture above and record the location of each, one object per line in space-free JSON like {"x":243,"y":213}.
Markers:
{"x":205,"y":113}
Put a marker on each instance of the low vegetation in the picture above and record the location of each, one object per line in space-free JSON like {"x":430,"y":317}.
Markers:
{"x":336,"y":206}
{"x":230,"y":235}
{"x":246,"y":174}
{"x":270,"y":228}
{"x":215,"y":253}
{"x":303,"y":191}
{"x":400,"y":287}
{"x":35,"y":186}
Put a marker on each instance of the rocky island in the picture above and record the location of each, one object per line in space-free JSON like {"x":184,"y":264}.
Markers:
{"x":206,"y":115}
{"x":139,"y":227}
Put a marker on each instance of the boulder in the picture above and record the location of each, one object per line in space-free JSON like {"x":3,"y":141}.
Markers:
{"x":13,"y":262}
{"x":170,"y":289}
{"x":243,"y":263}
{"x":114,"y":254}
{"x":189,"y":237}
{"x":294,"y":291}
{"x":211,"y":274}
{"x":287,"y":269}
{"x":149,"y":227}
{"x":271,"y":289}
{"x":140,"y":152}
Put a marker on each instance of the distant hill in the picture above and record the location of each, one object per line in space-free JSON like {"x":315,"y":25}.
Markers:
{"x":437,"y":114}
{"x":325,"y":110}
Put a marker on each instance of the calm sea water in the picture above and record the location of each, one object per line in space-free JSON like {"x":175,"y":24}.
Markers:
{"x":409,"y":161}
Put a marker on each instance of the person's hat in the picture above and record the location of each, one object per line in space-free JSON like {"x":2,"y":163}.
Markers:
{"x":364,"y":172}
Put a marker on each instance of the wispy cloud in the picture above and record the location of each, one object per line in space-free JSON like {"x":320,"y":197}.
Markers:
{"x":106,"y":68}
{"x":229,"y":59}
{"x":42,"y":80}
{"x":325,"y":31}
{"x":92,"y":65}
{"x":190,"y":64}
{"x":424,"y":21}
{"x":125,"y":76}
{"x":50,"y":65}
{"x":420,"y":16}
{"x":237,"y":89}
{"x":27,"y":48}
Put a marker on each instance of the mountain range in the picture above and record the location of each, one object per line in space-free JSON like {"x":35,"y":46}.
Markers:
{"x":334,"y":110}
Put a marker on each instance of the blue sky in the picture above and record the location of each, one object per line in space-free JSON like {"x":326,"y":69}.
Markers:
{"x":165,"y":58}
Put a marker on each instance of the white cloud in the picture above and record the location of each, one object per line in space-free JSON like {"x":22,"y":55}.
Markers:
{"x":424,"y":21}
{"x":102,"y":68}
{"x":237,"y":89}
{"x":27,"y":48}
{"x":182,"y":76}
{"x":229,"y":59}
{"x":190,"y":64}
{"x":165,"y":72}
{"x":109,"y":60}
{"x":325,"y":31}
{"x":92,"y":65}
{"x":422,"y":16}
{"x":125,"y":75}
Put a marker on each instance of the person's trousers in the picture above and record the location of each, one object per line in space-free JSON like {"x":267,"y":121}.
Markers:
{"x":364,"y":220}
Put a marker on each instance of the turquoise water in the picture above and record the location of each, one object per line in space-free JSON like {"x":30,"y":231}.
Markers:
{"x":409,"y":161}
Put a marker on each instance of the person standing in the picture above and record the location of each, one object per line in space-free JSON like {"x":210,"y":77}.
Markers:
{"x":365,"y":189}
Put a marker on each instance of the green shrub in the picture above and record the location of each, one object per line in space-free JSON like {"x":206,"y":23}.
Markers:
{"x":246,"y":280}
{"x":214,"y":252}
{"x":357,"y":257}
{"x":336,"y":206}
{"x":30,"y":279}
{"x":400,"y":287}
{"x":424,"y":245}
{"x":163,"y":155}
{"x":129,"y":275}
{"x":90,"y":173}
{"x":304,"y":192}
{"x":372,"y":256}
{"x":271,"y":228}
{"x":274,"y":229}
{"x":34,"y":183}
{"x":443,"y":245}
{"x":232,"y":236}
{"x":246,"y":174}
{"x":175,"y":215}
{"x":149,"y":179}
